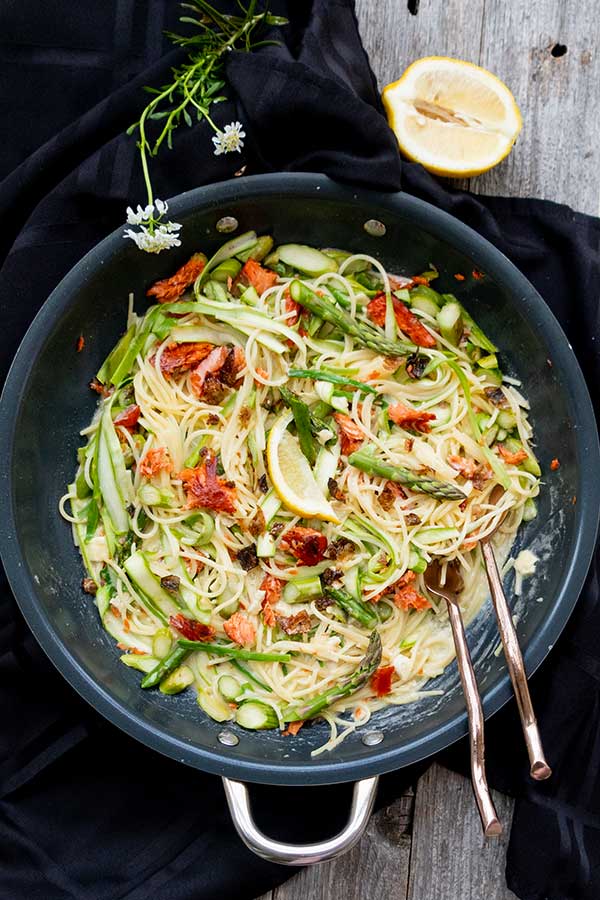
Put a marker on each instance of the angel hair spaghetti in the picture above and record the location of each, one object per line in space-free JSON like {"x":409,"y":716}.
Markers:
{"x":283,"y":442}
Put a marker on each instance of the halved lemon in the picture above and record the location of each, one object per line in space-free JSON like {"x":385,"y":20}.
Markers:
{"x":292,"y":477}
{"x":453,"y":117}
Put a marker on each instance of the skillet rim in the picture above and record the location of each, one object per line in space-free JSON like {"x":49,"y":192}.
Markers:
{"x":381,"y":759}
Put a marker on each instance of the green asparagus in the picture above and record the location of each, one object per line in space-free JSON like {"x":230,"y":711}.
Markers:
{"x":165,"y":666}
{"x":250,"y":675}
{"x":332,"y":378}
{"x":362,"y":333}
{"x":366,"y":462}
{"x":362,"y":612}
{"x":302,"y":421}
{"x":367,"y":667}
{"x":233,"y":652}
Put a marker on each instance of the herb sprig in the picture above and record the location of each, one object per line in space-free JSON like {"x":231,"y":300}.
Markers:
{"x":195,"y":86}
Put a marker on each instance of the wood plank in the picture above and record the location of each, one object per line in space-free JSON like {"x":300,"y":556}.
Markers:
{"x":557,"y":94}
{"x":451,"y":860}
{"x":557,"y":155}
{"x":394,"y":38}
{"x":376,"y":868}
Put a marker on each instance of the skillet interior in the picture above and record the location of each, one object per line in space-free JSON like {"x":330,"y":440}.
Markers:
{"x":46,"y":402}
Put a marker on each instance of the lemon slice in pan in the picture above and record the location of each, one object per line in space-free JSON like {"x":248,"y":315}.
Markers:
{"x":292,"y":476}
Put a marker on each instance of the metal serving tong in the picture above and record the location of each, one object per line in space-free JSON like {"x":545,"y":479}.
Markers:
{"x":450,"y":592}
{"x":539,"y":768}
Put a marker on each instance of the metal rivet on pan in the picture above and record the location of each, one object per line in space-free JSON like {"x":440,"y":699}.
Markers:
{"x":227,"y":224}
{"x":228,"y":738}
{"x":371,"y":738}
{"x":375,"y":228}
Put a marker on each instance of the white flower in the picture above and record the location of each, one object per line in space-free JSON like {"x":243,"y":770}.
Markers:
{"x":141,"y":215}
{"x":145,"y":216}
{"x":230,"y":139}
{"x":162,"y":239}
{"x":153,"y":235}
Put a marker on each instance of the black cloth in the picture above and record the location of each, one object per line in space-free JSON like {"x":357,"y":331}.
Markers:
{"x":86,"y":813}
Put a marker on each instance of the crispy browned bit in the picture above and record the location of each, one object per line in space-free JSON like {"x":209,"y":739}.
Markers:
{"x":296,"y":624}
{"x":331,"y":575}
{"x":574,"y":499}
{"x":98,"y":387}
{"x":170,"y":583}
{"x":234,"y":362}
{"x":409,"y":444}
{"x":89,"y":586}
{"x":481,"y":477}
{"x":263,"y":484}
{"x":496,"y":396}
{"x":244,"y":416}
{"x":390,"y":493}
{"x":257,"y":524}
{"x":293,"y":728}
{"x":169,"y":289}
{"x":341,"y":548}
{"x":335,"y":490}
{"x":412,"y":519}
{"x":276,"y":529}
{"x":416,"y":365}
{"x":212,"y":419}
{"x":80,"y":343}
{"x":323,"y":602}
{"x":247,"y":557}
{"x":213,"y":391}
{"x":239,"y":172}
{"x":307,"y":545}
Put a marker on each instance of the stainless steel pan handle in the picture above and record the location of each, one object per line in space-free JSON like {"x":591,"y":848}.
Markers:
{"x":285,"y":854}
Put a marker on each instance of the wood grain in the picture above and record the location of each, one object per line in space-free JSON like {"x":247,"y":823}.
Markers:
{"x":429,"y":846}
{"x":451,"y":860}
{"x":394,"y":38}
{"x":557,"y":155}
{"x":558,"y":95}
{"x":376,"y":869}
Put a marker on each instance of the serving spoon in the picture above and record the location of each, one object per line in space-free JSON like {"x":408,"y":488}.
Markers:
{"x":450,"y":592}
{"x":539,"y":768}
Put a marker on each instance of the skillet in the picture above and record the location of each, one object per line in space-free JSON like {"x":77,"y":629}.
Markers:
{"x":46,"y":402}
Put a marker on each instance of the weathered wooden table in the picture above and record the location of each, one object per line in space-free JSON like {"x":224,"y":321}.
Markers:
{"x":428,"y":844}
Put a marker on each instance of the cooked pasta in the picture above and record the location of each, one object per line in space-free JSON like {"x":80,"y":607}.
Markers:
{"x":281,"y":447}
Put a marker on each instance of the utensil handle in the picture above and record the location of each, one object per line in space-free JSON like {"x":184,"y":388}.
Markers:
{"x":286,"y":854}
{"x":489,"y":818}
{"x":539,"y":768}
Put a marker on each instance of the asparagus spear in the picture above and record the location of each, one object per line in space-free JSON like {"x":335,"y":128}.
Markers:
{"x":476,"y":335}
{"x":316,"y":423}
{"x":362,"y":333}
{"x":301,"y":414}
{"x":362,"y":612}
{"x":255,"y":715}
{"x":250,"y":675}
{"x":319,"y":375}
{"x":233,"y":652}
{"x":364,"y":461}
{"x":313,"y":707}
{"x":166,"y":665}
